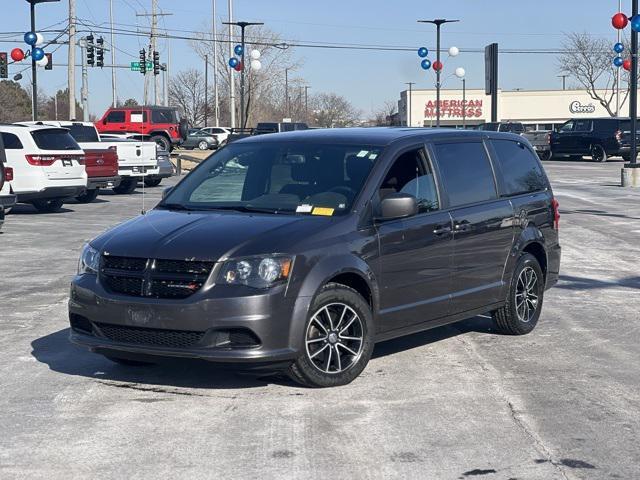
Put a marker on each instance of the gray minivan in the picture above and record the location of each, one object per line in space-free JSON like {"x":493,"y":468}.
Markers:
{"x":302,"y":250}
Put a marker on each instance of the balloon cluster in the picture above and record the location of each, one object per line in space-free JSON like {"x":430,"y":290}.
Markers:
{"x":34,"y":40}
{"x":620,"y":22}
{"x":425,"y":63}
{"x":236,"y":63}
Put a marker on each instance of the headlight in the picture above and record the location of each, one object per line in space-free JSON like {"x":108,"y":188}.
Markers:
{"x":89,"y":260}
{"x":256,"y":272}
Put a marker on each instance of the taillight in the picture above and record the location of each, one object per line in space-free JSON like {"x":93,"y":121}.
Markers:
{"x":619,"y":135}
{"x":81,"y":160}
{"x":556,"y":214}
{"x":8,"y":174}
{"x":41,"y":160}
{"x":549,"y":138}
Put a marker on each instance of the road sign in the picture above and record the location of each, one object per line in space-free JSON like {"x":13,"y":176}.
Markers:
{"x":135,"y":66}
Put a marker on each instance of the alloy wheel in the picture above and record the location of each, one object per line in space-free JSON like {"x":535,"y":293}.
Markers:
{"x":527,"y":294}
{"x":334,"y":338}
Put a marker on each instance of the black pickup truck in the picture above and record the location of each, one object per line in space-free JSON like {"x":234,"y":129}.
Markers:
{"x":599,"y":138}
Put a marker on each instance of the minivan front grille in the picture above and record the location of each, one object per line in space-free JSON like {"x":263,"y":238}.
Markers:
{"x":150,"y":336}
{"x":154,"y":278}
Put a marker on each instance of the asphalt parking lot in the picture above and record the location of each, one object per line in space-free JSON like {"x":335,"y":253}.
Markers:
{"x":452,"y":403}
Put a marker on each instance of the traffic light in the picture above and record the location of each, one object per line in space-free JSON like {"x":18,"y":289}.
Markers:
{"x":49,"y":65}
{"x":143,"y":61}
{"x":100,"y":52}
{"x":156,"y":63}
{"x":90,"y":52}
{"x":4,"y":71}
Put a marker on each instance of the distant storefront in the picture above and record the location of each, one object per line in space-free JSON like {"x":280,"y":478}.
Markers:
{"x":539,"y":109}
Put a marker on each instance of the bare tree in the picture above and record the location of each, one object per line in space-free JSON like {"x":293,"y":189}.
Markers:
{"x":384,"y":115}
{"x":186,"y":91}
{"x":588,"y":60}
{"x":332,"y":110}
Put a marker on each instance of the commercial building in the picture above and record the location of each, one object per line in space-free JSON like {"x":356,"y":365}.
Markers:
{"x":541,"y":109}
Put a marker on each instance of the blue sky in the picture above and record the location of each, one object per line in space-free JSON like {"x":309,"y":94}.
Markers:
{"x":367,"y":78}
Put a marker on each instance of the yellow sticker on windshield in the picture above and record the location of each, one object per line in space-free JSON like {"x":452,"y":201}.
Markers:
{"x":327,"y":212}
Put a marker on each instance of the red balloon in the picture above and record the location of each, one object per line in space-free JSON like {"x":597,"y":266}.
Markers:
{"x":627,"y":64}
{"x":437,"y":66}
{"x":17,"y":55}
{"x":238,"y":67}
{"x":619,"y":21}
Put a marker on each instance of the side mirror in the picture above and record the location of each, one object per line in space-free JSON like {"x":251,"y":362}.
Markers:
{"x":166,"y":192}
{"x":398,"y":205}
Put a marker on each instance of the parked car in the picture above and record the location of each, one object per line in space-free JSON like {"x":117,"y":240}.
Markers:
{"x":48,"y":165}
{"x":304,"y":249}
{"x":134,"y":159}
{"x":540,"y":140}
{"x":275,"y":127}
{"x":161,"y":125}
{"x":599,"y":138}
{"x":200,"y":139}
{"x":219,"y":133}
{"x":238,"y":133}
{"x":507,"y":127}
{"x":7,"y":198}
{"x":165,"y":169}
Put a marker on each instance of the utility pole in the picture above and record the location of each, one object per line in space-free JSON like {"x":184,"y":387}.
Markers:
{"x":306,"y":103}
{"x":114,"y":93}
{"x":464,"y":103}
{"x":215,"y":64}
{"x":206,"y":90}
{"x":167,"y":77}
{"x":438,"y":23}
{"x":564,"y":81}
{"x":84,"y":91}
{"x":71,"y":70}
{"x":286,"y":92}
{"x":409,"y":102}
{"x":153,"y":47}
{"x":232,"y":85}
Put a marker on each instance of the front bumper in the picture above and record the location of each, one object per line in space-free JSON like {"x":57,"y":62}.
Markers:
{"x":102,"y":182}
{"x":554,"y":255}
{"x":51,"y":193}
{"x":268,"y":315}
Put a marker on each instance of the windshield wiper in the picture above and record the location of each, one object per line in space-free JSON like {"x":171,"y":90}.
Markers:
{"x":174,"y":206}
{"x":248,"y":208}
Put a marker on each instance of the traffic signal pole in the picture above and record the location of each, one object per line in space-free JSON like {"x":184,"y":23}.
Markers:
{"x":84,"y":89}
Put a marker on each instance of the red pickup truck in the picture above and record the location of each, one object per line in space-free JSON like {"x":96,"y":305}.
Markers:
{"x":161,"y":125}
{"x":102,"y":172}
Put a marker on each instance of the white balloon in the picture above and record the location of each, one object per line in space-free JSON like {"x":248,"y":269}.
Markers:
{"x":460,"y":72}
{"x":255,"y":54}
{"x":256,"y":65}
{"x":43,"y":62}
{"x":39,"y":39}
{"x":454,"y":51}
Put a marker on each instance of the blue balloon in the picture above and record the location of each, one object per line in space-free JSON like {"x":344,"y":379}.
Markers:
{"x":618,"y":62}
{"x":30,"y":38}
{"x":635,"y":23}
{"x":618,"y":48}
{"x":238,"y":49}
{"x":423,"y":52}
{"x":37,"y":54}
{"x":233,"y":62}
{"x":426,"y":64}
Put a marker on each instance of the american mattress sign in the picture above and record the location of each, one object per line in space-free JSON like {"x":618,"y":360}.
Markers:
{"x":454,"y":108}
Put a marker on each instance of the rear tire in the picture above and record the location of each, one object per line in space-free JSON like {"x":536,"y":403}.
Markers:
{"x":127,"y":186}
{"x":48,"y":206}
{"x":162,"y":141}
{"x":88,"y":196}
{"x":521,"y":311}
{"x":338,"y":339}
{"x":152,"y":182}
{"x":127,"y":362}
{"x":598,"y":154}
{"x":203,"y":145}
{"x":544,"y":156}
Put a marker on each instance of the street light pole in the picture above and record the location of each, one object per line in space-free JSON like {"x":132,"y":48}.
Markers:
{"x":409,"y":102}
{"x":619,"y":71}
{"x":34,"y":74}
{"x":306,"y":103}
{"x":633,"y":95}
{"x":464,"y":103}
{"x":438,"y":23}
{"x":206,"y":90}
{"x":564,"y":81}
{"x":286,"y":92}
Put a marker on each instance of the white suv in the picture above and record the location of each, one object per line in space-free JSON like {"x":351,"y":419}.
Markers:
{"x":48,"y":165}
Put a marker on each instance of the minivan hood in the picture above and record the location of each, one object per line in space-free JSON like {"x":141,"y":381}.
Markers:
{"x":206,"y":235}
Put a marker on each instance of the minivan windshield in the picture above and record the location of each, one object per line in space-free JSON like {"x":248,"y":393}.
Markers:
{"x":303,"y":178}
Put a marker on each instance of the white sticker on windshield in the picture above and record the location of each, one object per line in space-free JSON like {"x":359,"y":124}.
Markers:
{"x":362,"y":153}
{"x":373,"y":156}
{"x":304,"y":208}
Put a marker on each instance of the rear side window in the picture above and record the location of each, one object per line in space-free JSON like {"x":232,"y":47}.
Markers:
{"x":521,"y":172}
{"x":583,"y":126}
{"x":11,"y":141}
{"x":466,"y":172}
{"x":116,"y":116}
{"x":82,"y":133}
{"x":163,"y":116}
{"x":54,"y":139}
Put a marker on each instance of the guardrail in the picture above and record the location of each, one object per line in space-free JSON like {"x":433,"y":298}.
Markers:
{"x":179,"y":157}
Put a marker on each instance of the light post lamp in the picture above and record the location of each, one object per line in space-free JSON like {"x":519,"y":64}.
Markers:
{"x":437,"y":66}
{"x":242,"y":25}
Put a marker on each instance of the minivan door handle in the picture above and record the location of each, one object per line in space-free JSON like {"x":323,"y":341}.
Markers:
{"x":442,"y":230}
{"x":464,"y":226}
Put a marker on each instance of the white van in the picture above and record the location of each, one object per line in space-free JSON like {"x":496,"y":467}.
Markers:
{"x":48,"y":165}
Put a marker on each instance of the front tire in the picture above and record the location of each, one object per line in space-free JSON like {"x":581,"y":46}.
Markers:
{"x":127,"y":186}
{"x":521,"y":312}
{"x":338,"y":339}
{"x":48,"y":206}
{"x":88,"y":196}
{"x":203,"y":145}
{"x":545,"y":155}
{"x":152,"y":182}
{"x":598,"y":154}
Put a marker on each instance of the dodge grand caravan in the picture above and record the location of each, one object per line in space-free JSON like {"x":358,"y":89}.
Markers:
{"x":302,"y":250}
